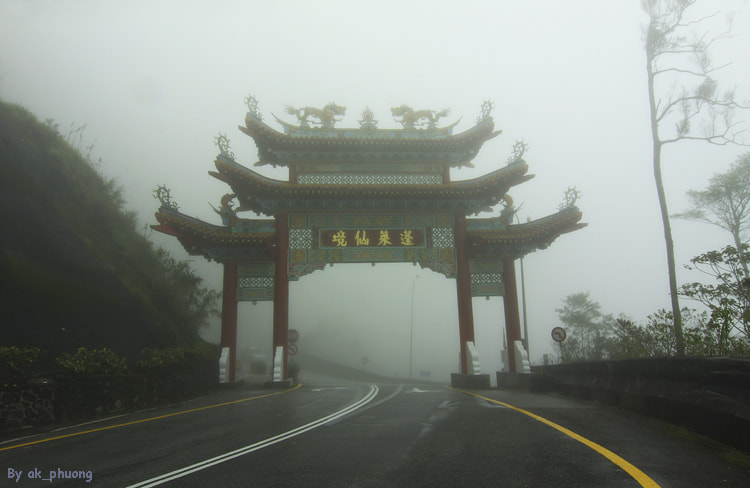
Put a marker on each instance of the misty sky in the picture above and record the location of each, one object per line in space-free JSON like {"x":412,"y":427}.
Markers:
{"x":156,"y":81}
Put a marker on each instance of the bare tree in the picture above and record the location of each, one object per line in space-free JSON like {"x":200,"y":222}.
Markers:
{"x":678,"y":61}
{"x":725,"y":203}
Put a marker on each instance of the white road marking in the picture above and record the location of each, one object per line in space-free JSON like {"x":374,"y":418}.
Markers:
{"x":179,"y":473}
{"x":417,"y":390}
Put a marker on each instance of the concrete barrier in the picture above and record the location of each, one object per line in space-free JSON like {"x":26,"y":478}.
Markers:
{"x":708,"y":395}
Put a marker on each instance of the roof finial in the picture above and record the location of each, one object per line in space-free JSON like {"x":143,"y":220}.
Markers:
{"x":519,"y":149}
{"x":487,"y":107}
{"x":252,"y":107}
{"x":223,"y":142}
{"x":571,"y":196}
{"x":164,"y":195}
{"x":368,"y":119}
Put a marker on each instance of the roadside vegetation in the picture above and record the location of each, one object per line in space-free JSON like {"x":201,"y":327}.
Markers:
{"x":687,"y":104}
{"x":81,"y":285}
{"x":718,"y":326}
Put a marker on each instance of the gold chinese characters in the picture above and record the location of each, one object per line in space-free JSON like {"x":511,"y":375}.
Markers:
{"x":372,"y":238}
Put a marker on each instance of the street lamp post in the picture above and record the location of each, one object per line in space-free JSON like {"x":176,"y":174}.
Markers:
{"x":411,"y":330}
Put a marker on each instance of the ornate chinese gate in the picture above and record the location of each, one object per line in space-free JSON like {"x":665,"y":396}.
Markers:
{"x":365,"y":195}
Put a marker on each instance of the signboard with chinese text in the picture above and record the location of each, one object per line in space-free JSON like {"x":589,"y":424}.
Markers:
{"x":316,"y":240}
{"x":332,"y":238}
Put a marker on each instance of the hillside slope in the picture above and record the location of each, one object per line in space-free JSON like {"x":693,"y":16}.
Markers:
{"x":73,"y":270}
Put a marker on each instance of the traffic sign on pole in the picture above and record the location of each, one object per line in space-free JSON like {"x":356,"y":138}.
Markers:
{"x":292,"y":336}
{"x":559,"y":334}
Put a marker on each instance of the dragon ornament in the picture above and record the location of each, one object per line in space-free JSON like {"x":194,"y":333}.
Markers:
{"x":413,"y":119}
{"x":323,"y":118}
{"x":508,"y":211}
{"x":226,"y":210}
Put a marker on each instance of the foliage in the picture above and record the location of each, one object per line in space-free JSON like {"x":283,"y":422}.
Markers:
{"x":630,"y":340}
{"x":17,"y":362}
{"x":679,"y":60}
{"x":181,"y":292}
{"x":93,"y":362}
{"x":587,"y":328}
{"x":656,"y":338}
{"x":170,"y":357}
{"x":201,"y":351}
{"x":178,"y":356}
{"x":60,"y":176}
{"x":677,"y":57}
{"x":593,"y":336}
{"x":725,"y":202}
{"x":728,"y":299}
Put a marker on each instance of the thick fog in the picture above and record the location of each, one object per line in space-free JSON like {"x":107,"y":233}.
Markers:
{"x":156,"y":81}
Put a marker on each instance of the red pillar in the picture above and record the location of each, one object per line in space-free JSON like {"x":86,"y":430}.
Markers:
{"x":463,"y":291}
{"x":229,"y":315}
{"x":510,"y":303}
{"x":281,"y":288}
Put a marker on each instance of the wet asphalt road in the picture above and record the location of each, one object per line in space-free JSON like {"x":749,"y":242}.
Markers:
{"x":331,"y":433}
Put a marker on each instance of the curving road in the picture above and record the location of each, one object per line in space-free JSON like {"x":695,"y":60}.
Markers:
{"x":334,"y":433}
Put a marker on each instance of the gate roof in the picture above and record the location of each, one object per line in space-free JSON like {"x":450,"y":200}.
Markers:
{"x":268,"y":196}
{"x":300,"y":145}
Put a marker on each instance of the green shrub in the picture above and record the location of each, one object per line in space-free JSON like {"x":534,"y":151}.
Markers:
{"x":178,"y":356}
{"x":204,"y":351}
{"x":171,"y":357}
{"x":93,"y":362}
{"x":17,"y":362}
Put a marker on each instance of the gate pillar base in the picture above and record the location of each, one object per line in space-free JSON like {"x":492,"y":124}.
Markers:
{"x":281,"y":384}
{"x":470,"y":381}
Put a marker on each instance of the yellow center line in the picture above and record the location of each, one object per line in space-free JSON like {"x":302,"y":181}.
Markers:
{"x":148,"y":419}
{"x":636,"y":473}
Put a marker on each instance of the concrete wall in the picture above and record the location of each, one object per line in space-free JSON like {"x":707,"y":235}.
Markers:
{"x":708,"y":395}
{"x":27,"y":405}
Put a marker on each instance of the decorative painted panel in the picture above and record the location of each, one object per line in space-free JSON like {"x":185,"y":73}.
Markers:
{"x":426,"y":239}
{"x":368,"y":179}
{"x":255,"y":282}
{"x":300,"y":238}
{"x":443,"y":237}
{"x":486,"y":277}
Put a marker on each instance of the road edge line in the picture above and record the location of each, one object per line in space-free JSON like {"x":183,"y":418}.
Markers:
{"x":642,"y":478}
{"x":227,"y":456}
{"x":49,"y":439}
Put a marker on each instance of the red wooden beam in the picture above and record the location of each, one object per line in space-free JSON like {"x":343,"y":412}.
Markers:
{"x":281,"y":288}
{"x":510,"y":304}
{"x":229,"y":315}
{"x":463,"y":291}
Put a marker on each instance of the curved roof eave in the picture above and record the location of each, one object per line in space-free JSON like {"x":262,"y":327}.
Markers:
{"x":251,"y":187}
{"x":196,"y":235}
{"x":538,"y":233}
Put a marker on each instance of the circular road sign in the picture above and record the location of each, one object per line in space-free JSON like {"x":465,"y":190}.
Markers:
{"x":292,"y":336}
{"x":559,"y":334}
{"x":292,"y":349}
